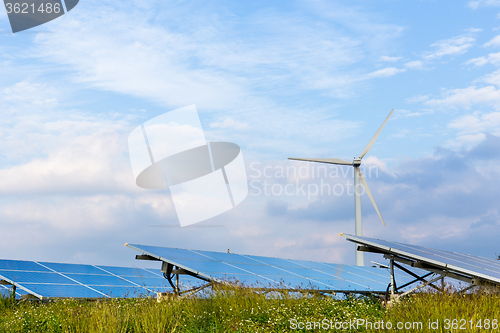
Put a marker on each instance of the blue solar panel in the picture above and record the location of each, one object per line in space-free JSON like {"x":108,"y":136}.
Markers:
{"x":147,"y":282}
{"x":35,"y":277}
{"x":256,"y":271}
{"x":61,"y":290}
{"x":177,"y":253}
{"x":71,"y":268}
{"x":17,"y":265}
{"x":52,"y":280}
{"x":273,"y":262}
{"x":125,"y":292}
{"x":469,"y":265}
{"x":129,"y":271}
{"x":311,"y":264}
{"x":98,"y":280}
{"x":226,"y":257}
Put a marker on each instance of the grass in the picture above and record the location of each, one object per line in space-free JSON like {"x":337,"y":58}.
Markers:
{"x":244,"y":311}
{"x":450,"y":311}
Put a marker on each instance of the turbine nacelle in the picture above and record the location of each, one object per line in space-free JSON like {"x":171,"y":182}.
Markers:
{"x":356,"y":162}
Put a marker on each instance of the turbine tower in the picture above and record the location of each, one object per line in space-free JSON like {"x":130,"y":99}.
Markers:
{"x":358,"y":176}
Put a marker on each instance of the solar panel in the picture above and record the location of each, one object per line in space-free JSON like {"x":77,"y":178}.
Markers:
{"x":463,"y":265}
{"x":262,"y":272}
{"x":51,"y":280}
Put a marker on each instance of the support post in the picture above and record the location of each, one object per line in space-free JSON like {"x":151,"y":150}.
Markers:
{"x":177,"y":283}
{"x":360,"y":260}
{"x":167,"y":269}
{"x":13,"y":295}
{"x":393,"y":279}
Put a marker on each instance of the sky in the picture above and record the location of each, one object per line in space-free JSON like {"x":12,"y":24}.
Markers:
{"x":280,"y":79}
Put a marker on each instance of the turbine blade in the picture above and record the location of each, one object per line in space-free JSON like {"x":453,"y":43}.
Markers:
{"x":322,"y":160}
{"x":367,"y":189}
{"x":372,"y":141}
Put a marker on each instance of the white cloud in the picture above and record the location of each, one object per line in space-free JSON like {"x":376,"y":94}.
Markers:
{"x":484,"y":3}
{"x":465,"y":141}
{"x":77,"y":164}
{"x":415,"y":64}
{"x":386,"y":72}
{"x":90,"y":212}
{"x":390,"y":59}
{"x":452,"y":46}
{"x":49,"y":151}
{"x":402,"y":113}
{"x":209,"y":67}
{"x":417,"y":99}
{"x":61,"y":228}
{"x":493,"y":78}
{"x":70,"y":177}
{"x":471,"y":129}
{"x":473,"y":30}
{"x":229,"y":123}
{"x":477,"y":122}
{"x":401,"y":134}
{"x":467,"y":97}
{"x":495,"y":42}
{"x":28,"y":96}
{"x":477,"y":61}
{"x":212,"y":62}
{"x":373,"y":161}
{"x":492,"y":58}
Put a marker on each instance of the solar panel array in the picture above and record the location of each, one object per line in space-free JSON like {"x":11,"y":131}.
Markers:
{"x":52,"y":280}
{"x":470,"y":265}
{"x":262,"y":272}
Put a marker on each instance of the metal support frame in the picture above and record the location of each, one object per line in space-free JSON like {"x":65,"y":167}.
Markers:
{"x":441,"y":269}
{"x":171,"y":271}
{"x":421,"y":286}
{"x":193,"y":291}
{"x":432,"y":270}
{"x":417,"y":278}
{"x":29,"y":297}
{"x":472,"y":286}
{"x":379,"y":264}
{"x":395,"y":290}
{"x":13,"y":288}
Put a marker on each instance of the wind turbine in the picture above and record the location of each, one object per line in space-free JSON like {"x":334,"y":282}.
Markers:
{"x":358,"y":176}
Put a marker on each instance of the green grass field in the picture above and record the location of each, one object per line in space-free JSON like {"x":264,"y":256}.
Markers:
{"x":243,"y":311}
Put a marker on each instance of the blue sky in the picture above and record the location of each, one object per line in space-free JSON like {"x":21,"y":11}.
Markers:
{"x":280,"y":79}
